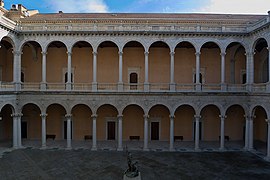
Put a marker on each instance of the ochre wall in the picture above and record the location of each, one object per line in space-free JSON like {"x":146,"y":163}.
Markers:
{"x":133,"y":122}
{"x":210,"y":123}
{"x":82,"y":122}
{"x":6,"y":61}
{"x":55,"y":121}
{"x":234,"y":123}
{"x":183,"y":123}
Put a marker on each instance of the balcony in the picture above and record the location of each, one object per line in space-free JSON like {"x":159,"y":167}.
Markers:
{"x":134,"y":87}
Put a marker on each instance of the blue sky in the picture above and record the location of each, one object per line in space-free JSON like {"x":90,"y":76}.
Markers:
{"x":150,"y":6}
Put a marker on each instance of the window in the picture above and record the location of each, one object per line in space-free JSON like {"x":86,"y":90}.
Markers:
{"x":133,"y":80}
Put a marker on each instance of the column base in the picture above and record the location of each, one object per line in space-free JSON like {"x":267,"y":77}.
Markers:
{"x":221,"y":149}
{"x":94,"y":149}
{"x":120,"y":86}
{"x":68,"y":148}
{"x":198,"y":87}
{"x":43,"y":86}
{"x":145,"y":149}
{"x":172,"y":87}
{"x":268,"y":87}
{"x":249,"y":87}
{"x":17,"y":86}
{"x":197,"y":150}
{"x":172,"y":150}
{"x":223,"y":87}
{"x":119,"y":149}
{"x":68,"y":86}
{"x":94,"y":86}
{"x":43,"y":147}
{"x":146,"y":87}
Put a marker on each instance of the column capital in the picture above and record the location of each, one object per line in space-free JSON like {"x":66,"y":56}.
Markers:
{"x":146,"y":116}
{"x":120,"y":116}
{"x":268,"y":48}
{"x":17,"y":53}
{"x":171,"y":116}
{"x":222,"y":116}
{"x":223,"y":53}
{"x":267,"y":121}
{"x":94,"y":116}
{"x":69,"y":53}
{"x":17,"y":115}
{"x":197,"y":116}
{"x":197,"y":53}
{"x":95,"y":53}
{"x":44,"y":53}
{"x":146,"y":53}
{"x":120,"y":53}
{"x":68,"y":115}
{"x":43,"y":115}
{"x":172,"y":53}
{"x":250,"y":53}
{"x":250,"y":118}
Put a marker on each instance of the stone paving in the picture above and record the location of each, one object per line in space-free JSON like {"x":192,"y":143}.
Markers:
{"x":56,"y":163}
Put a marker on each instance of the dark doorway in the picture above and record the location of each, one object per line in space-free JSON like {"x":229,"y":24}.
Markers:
{"x":65,"y":129}
{"x":111,"y":130}
{"x":24,"y":129}
{"x":244,"y":78}
{"x":200,"y":130}
{"x":22,"y":77}
{"x":154,"y":130}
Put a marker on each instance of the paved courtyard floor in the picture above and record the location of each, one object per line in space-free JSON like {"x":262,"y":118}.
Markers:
{"x":85,"y":164}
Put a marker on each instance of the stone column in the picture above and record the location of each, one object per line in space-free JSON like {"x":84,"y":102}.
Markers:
{"x":197,"y":132}
{"x":69,"y":81}
{"x":223,"y":85}
{"x":94,"y":133}
{"x":43,"y":130}
{"x":247,"y":133}
{"x":146,"y":81}
{"x":68,"y":117}
{"x":268,"y":139}
{"x":268,"y":84}
{"x":17,"y":70}
{"x":120,"y":138}
{"x":222,"y":119}
{"x":43,"y":83}
{"x":145,"y":141}
{"x":171,"y":132}
{"x":120,"y":79}
{"x":250,"y":70}
{"x":251,"y":132}
{"x":19,"y":126}
{"x":94,"y":83}
{"x":172,"y":83}
{"x":15,"y":131}
{"x":198,"y":84}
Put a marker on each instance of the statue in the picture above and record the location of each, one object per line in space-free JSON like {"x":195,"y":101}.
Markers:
{"x":132,"y":171}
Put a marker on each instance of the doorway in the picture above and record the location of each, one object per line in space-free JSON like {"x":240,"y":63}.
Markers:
{"x":110,"y":130}
{"x":154,"y":130}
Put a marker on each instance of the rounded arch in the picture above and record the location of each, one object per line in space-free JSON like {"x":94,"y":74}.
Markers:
{"x":8,"y":104}
{"x":9,"y":40}
{"x":211,"y":44}
{"x":32,"y":103}
{"x":233,"y":43}
{"x":81,"y":43}
{"x":57,"y":104}
{"x":257,"y":106}
{"x":80,"y":104}
{"x":137,"y":41}
{"x":109,"y":105}
{"x":31,"y":44}
{"x":134,"y":104}
{"x":185,"y":43}
{"x":159,"y":43}
{"x":56,"y":43}
{"x":218,"y":106}
{"x":235,"y":104}
{"x":159,"y":104}
{"x":108,"y":43}
{"x":258,"y":41}
{"x":184,"y":104}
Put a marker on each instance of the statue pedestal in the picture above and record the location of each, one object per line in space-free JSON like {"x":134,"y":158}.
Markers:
{"x":133,"y":178}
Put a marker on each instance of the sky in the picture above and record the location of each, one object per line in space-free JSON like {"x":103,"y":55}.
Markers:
{"x":146,"y":6}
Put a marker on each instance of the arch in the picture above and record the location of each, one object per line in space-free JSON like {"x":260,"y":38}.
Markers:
{"x":184,"y":104}
{"x":108,"y":43}
{"x":185,"y":43}
{"x":133,"y":43}
{"x":56,"y":43}
{"x":81,"y":121}
{"x":159,"y":44}
{"x":219,"y":106}
{"x":210,"y":123}
{"x":236,"y":61}
{"x":207,"y":44}
{"x":184,"y":123}
{"x":257,"y":41}
{"x":80,"y":104}
{"x":31,"y":43}
{"x":236,"y":104}
{"x":31,"y":103}
{"x":6,"y":125}
{"x":57,"y":104}
{"x":159,"y":104}
{"x":110,"y":105}
{"x":81,"y":43}
{"x":235,"y":123}
{"x":7,"y":104}
{"x":133,"y":104}
{"x":9,"y":40}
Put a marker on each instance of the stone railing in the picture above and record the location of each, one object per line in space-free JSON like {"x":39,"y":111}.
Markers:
{"x":142,"y":27}
{"x":133,"y":87}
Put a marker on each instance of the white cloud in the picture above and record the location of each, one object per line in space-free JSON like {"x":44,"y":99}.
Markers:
{"x":237,"y":6}
{"x":79,"y":6}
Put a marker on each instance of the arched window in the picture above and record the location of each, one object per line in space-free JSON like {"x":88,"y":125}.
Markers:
{"x":66,"y":77}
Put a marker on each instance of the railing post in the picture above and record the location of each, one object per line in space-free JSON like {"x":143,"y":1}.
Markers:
{"x":120,"y":78}
{"x":94,"y":83}
{"x":43,"y":84}
{"x":198,"y":83}
{"x":69,"y":80}
{"x":223,"y":85}
{"x":172,"y":83}
{"x":17,"y":70}
{"x":146,"y":82}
